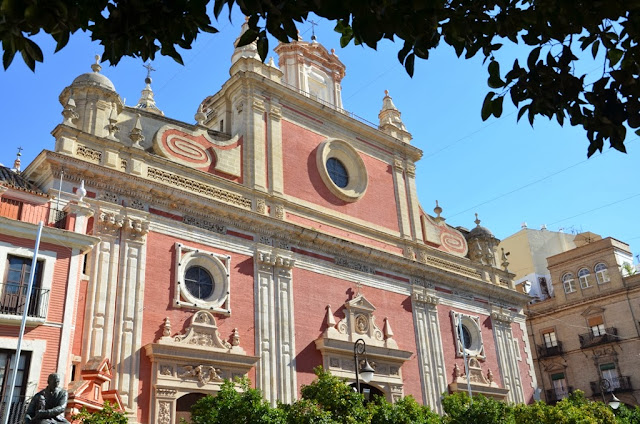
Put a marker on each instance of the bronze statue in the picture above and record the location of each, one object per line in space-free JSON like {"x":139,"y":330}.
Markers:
{"x":48,"y":405}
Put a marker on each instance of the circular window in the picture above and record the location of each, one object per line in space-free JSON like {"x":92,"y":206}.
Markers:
{"x":342,"y":169}
{"x":337,"y":172}
{"x":198,"y":282}
{"x":202,"y":280}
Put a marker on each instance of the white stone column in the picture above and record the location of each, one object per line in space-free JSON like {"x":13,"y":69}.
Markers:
{"x":507,"y":356}
{"x":275,"y":344}
{"x":101,"y":292}
{"x":430,"y":354}
{"x":401,"y":198}
{"x":127,"y":341}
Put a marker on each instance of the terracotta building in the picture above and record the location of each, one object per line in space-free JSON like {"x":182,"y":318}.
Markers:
{"x":264,"y":240}
{"x":587,"y":336}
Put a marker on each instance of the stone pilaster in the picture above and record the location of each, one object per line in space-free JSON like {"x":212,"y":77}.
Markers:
{"x":414,"y":205}
{"x":276,"y":171}
{"x":507,"y":356}
{"x":276,"y":371}
{"x":429,"y":343}
{"x":101,"y":292}
{"x":127,"y":341}
{"x":401,"y":198}
{"x":256,"y":146}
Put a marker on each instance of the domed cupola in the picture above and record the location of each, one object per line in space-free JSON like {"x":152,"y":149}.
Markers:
{"x":90,"y":101}
{"x":482,"y":245}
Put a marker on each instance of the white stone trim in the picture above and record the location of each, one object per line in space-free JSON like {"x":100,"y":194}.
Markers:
{"x":471,"y":323}
{"x":69,"y":317}
{"x":429,"y":343}
{"x":527,"y":351}
{"x":217,"y":265}
{"x":37,"y":349}
{"x":353,"y":163}
{"x":507,"y":360}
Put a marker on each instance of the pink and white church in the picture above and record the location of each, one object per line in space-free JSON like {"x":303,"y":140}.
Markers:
{"x":262,"y":240}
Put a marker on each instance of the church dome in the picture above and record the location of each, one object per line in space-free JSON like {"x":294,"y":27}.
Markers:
{"x":95,"y":78}
{"x":479,"y":231}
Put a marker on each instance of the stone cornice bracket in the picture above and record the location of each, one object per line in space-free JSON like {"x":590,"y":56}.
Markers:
{"x":499,"y":314}
{"x":411,"y":170}
{"x":69,"y":113}
{"x":421,"y":295}
{"x":137,"y":228}
{"x":275,"y":112}
{"x":109,"y":222}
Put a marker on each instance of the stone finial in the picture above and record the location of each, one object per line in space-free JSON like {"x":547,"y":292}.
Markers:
{"x":16,"y":163}
{"x":249,"y":51}
{"x":390,"y":121}
{"x":113,"y":124}
{"x":438,"y":210}
{"x":477,"y":221}
{"x":505,"y":262}
{"x":166,"y":330}
{"x":96,"y":67}
{"x":69,"y":112}
{"x":200,"y":116}
{"x":81,"y":192}
{"x":136,"y":135}
{"x":388,"y":332}
{"x":490,"y":376}
{"x":235,"y":339}
{"x":331,"y":321}
{"x":147,"y":101}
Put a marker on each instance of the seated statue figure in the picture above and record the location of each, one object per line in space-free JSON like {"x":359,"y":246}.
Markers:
{"x":48,"y":405}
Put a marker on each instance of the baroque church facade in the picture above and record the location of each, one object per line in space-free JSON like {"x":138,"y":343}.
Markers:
{"x":263,"y":241}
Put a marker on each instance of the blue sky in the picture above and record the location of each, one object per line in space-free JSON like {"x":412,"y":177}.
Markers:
{"x":505,"y":171}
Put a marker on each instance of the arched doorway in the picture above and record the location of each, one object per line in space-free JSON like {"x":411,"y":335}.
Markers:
{"x":368,"y":391}
{"x":184,"y":404}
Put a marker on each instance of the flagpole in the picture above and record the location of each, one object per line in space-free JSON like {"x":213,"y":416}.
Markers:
{"x":16,"y":357}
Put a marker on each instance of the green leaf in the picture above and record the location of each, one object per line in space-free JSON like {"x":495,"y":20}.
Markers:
{"x":496,"y":106}
{"x":263,"y":45}
{"x":614,"y":56}
{"x":594,"y":48}
{"x":248,"y":37}
{"x":487,"y":106}
{"x":408,"y":64}
{"x":63,"y":39}
{"x":533,"y":57}
{"x":7,"y":58}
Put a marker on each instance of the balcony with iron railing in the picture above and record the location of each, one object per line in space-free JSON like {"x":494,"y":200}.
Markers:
{"x":617,"y":384}
{"x":553,"y":396}
{"x":16,"y":411}
{"x":590,"y":339}
{"x":26,"y":212}
{"x":545,"y":351}
{"x":13,"y":299}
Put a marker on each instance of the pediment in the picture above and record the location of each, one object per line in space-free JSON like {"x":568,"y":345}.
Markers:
{"x":360,"y":303}
{"x":593,"y":310}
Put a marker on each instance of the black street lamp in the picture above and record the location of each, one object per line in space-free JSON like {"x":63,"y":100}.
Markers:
{"x":604,"y":386}
{"x":366,"y":372}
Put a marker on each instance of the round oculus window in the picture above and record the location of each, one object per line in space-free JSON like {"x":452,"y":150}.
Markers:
{"x":199,"y":282}
{"x":337,"y":172}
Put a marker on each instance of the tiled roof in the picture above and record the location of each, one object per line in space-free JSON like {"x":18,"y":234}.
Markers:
{"x":17,"y":181}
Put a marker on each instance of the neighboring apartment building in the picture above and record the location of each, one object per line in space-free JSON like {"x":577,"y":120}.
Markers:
{"x":53,"y":303}
{"x":264,"y":240}
{"x":587,"y":336}
{"x":528,"y":250}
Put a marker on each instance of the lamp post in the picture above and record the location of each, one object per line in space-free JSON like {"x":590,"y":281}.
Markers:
{"x":366,"y":372}
{"x":606,"y":385}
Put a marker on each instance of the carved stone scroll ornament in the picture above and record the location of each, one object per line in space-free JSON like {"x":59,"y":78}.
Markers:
{"x":109,"y":222}
{"x":203,"y":331}
{"x":204,"y":374}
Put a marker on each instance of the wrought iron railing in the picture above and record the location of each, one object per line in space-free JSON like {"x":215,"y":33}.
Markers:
{"x":589,"y":339}
{"x":616,"y":384}
{"x":16,"y":411}
{"x":545,"y":351}
{"x":553,"y":396}
{"x":13,"y":299}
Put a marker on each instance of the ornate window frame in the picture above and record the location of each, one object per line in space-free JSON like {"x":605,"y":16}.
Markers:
{"x":353,"y":163}
{"x":217,"y":265}
{"x":472,"y":324}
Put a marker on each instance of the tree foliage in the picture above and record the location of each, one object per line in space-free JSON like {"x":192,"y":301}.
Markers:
{"x":107,"y":415}
{"x":556,"y":35}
